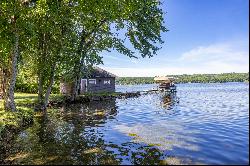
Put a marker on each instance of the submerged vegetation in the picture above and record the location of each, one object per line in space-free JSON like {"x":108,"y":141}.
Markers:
{"x":26,"y":103}
{"x":195,"y":78}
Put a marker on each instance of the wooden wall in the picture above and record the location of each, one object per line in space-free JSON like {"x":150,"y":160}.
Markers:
{"x":66,"y":88}
{"x":101,"y":87}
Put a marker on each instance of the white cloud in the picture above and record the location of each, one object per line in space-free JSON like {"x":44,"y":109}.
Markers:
{"x":215,"y":58}
{"x":201,"y":52}
{"x":217,"y":52}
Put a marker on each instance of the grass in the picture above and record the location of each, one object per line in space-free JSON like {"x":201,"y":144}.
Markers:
{"x":25,"y":104}
{"x":25,"y":110}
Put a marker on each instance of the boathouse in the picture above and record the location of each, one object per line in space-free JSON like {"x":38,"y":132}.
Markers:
{"x":165,"y":83}
{"x":98,"y":80}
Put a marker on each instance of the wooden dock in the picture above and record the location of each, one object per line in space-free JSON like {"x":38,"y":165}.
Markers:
{"x":98,"y":97}
{"x":166,"y":91}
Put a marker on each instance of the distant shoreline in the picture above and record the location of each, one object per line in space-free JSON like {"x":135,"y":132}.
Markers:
{"x":195,"y":78}
{"x":190,"y":83}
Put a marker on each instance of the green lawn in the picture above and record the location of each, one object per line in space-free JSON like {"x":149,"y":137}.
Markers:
{"x":24,"y":104}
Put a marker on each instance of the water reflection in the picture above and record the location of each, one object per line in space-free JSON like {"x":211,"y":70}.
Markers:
{"x":169,"y":100}
{"x":72,"y":135}
{"x":91,"y":114}
{"x":208,"y":125}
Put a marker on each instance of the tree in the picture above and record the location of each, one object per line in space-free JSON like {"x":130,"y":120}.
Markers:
{"x":13,"y":24}
{"x":100,"y":21}
{"x":53,"y":29}
{"x":70,"y":35}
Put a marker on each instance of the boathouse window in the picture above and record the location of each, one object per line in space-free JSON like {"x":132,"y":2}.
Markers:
{"x":92,"y":81}
{"x":107,"y":82}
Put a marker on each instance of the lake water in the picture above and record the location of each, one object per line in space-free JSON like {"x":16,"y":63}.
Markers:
{"x":201,"y":124}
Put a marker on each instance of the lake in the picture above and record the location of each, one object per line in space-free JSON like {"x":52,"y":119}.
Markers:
{"x":201,"y":124}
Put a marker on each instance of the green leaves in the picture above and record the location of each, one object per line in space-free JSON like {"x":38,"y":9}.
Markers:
{"x":62,"y":36}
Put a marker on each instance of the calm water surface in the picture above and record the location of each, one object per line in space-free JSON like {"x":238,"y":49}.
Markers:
{"x":201,"y":124}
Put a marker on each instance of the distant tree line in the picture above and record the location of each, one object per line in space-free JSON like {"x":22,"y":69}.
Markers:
{"x":185,"y":78}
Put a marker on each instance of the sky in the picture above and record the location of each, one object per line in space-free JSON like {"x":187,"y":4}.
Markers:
{"x":204,"y":37}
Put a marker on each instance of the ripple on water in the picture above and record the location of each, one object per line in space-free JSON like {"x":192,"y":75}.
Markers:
{"x":202,"y":123}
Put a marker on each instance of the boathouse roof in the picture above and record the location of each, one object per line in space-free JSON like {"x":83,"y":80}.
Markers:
{"x":164,"y":79}
{"x":99,"y":72}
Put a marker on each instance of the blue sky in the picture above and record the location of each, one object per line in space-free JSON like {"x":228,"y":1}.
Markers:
{"x":205,"y":36}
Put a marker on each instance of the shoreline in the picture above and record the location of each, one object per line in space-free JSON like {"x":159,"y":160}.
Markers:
{"x":189,"y":83}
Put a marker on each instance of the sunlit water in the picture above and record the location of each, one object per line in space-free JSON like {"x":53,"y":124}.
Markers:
{"x":201,"y":124}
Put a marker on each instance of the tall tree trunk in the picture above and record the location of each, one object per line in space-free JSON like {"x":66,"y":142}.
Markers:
{"x":51,"y":82}
{"x":40,"y":88}
{"x":75,"y":88}
{"x":77,"y":81}
{"x":41,"y":77}
{"x":9,"y":102}
{"x":1,"y":82}
{"x":77,"y":68}
{"x":5,"y":82}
